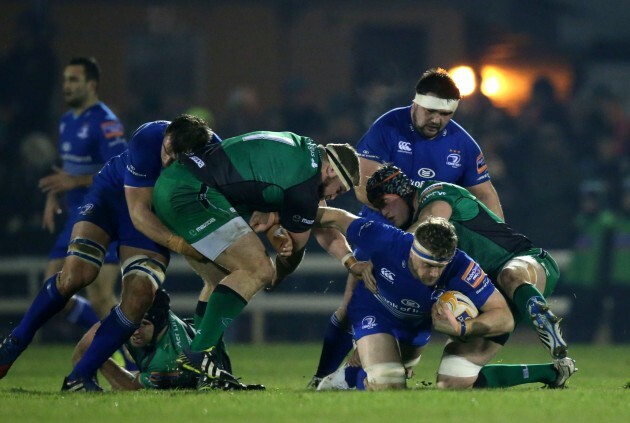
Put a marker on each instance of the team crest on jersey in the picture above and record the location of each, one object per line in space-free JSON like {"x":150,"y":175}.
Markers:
{"x":426,"y":173}
{"x":112,"y":129}
{"x":86,"y":209}
{"x":481,"y":164}
{"x":83,"y":132}
{"x":454,"y":160}
{"x":368,"y":322}
{"x":473,"y":275}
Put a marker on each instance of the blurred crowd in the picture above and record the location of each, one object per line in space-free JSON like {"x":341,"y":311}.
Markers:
{"x":540,"y":160}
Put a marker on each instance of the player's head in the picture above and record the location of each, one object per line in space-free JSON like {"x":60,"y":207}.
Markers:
{"x":80,"y":81}
{"x":392,"y":193}
{"x":434,"y":243}
{"x":185,"y":134}
{"x":340,"y":170}
{"x":436,"y":100}
{"x":154,"y":322}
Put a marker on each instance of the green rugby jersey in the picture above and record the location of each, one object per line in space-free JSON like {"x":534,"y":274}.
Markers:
{"x":482,"y":234}
{"x":264,"y":171}
{"x":157,"y":365}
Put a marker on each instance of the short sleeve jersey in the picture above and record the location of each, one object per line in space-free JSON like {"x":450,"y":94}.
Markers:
{"x":143,"y":160}
{"x":87,"y":142}
{"x":157,"y":364}
{"x":453,"y":156}
{"x":482,"y":234}
{"x":265,"y":171}
{"x":399,"y":291}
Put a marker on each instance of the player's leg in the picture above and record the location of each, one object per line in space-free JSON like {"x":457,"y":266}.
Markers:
{"x":85,"y":256}
{"x":381,"y":360}
{"x":142,"y":273}
{"x":77,"y":310}
{"x":527,"y":280}
{"x":211,"y":275}
{"x":337,"y":338}
{"x":102,"y":293}
{"x":464,"y":365}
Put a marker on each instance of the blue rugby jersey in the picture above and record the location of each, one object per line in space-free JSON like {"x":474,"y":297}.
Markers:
{"x":453,"y":156}
{"x":140,"y":165}
{"x":87,"y":142}
{"x":400,"y":293}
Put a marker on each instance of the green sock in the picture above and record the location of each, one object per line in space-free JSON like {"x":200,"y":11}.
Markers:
{"x":522,"y":295}
{"x":224,"y":305}
{"x":199,"y":312}
{"x":506,"y":375}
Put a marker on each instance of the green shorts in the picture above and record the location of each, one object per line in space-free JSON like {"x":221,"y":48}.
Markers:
{"x":552,"y":272}
{"x":199,"y":214}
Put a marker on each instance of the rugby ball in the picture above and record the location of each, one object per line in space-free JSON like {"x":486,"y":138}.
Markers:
{"x":461,"y":306}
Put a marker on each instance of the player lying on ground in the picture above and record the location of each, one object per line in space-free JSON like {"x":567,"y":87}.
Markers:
{"x":155,"y":346}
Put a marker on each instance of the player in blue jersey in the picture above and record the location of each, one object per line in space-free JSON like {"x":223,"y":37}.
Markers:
{"x":392,"y":318}
{"x":116,"y":208}
{"x":89,"y":135}
{"x":424,"y":141}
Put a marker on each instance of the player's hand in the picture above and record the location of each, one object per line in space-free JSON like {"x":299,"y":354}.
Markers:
{"x":261,"y":222}
{"x":363,"y":270}
{"x":58,"y":181}
{"x":280,"y":240}
{"x":444,"y":320}
{"x":179,"y":245}
{"x":51,"y":209}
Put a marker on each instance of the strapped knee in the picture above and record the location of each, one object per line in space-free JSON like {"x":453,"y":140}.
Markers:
{"x":87,"y":250}
{"x":456,"y":366}
{"x":385,"y":373}
{"x":144,"y":266}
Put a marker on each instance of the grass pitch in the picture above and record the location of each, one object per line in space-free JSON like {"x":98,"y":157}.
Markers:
{"x":30,"y":392}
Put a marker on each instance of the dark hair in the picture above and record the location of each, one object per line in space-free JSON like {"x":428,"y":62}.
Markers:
{"x":389,"y":179}
{"x":90,"y":66}
{"x":188,"y":133}
{"x":438,"y":236}
{"x":438,"y":82}
{"x":158,"y":312}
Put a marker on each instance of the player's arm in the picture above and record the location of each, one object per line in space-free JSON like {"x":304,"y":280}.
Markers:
{"x":486,"y":193}
{"x":330,"y":217}
{"x":368,"y":167}
{"x":119,"y":378}
{"x":61,"y":181}
{"x":494,"y":319}
{"x":140,"y":202}
{"x":436,"y":208}
{"x":287,"y":265}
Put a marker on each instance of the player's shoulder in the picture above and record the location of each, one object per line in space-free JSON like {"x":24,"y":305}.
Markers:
{"x":150,"y":129}
{"x":458,"y":134}
{"x":467,"y":269}
{"x":394,"y":117}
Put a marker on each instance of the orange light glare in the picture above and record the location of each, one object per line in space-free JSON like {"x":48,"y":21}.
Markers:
{"x":464,"y":78}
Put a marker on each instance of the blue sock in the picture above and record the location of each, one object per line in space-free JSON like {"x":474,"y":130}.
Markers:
{"x":361,"y":375}
{"x":351,"y":375}
{"x":82,"y":313}
{"x":46,"y":304}
{"x":337,"y":345}
{"x":113,"y":332}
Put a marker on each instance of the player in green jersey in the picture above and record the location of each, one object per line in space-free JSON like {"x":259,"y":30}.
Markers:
{"x":525,"y":274}
{"x":155,"y":346}
{"x":208,"y":196}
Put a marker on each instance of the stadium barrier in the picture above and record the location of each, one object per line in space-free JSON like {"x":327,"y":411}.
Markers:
{"x":31,"y":268}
